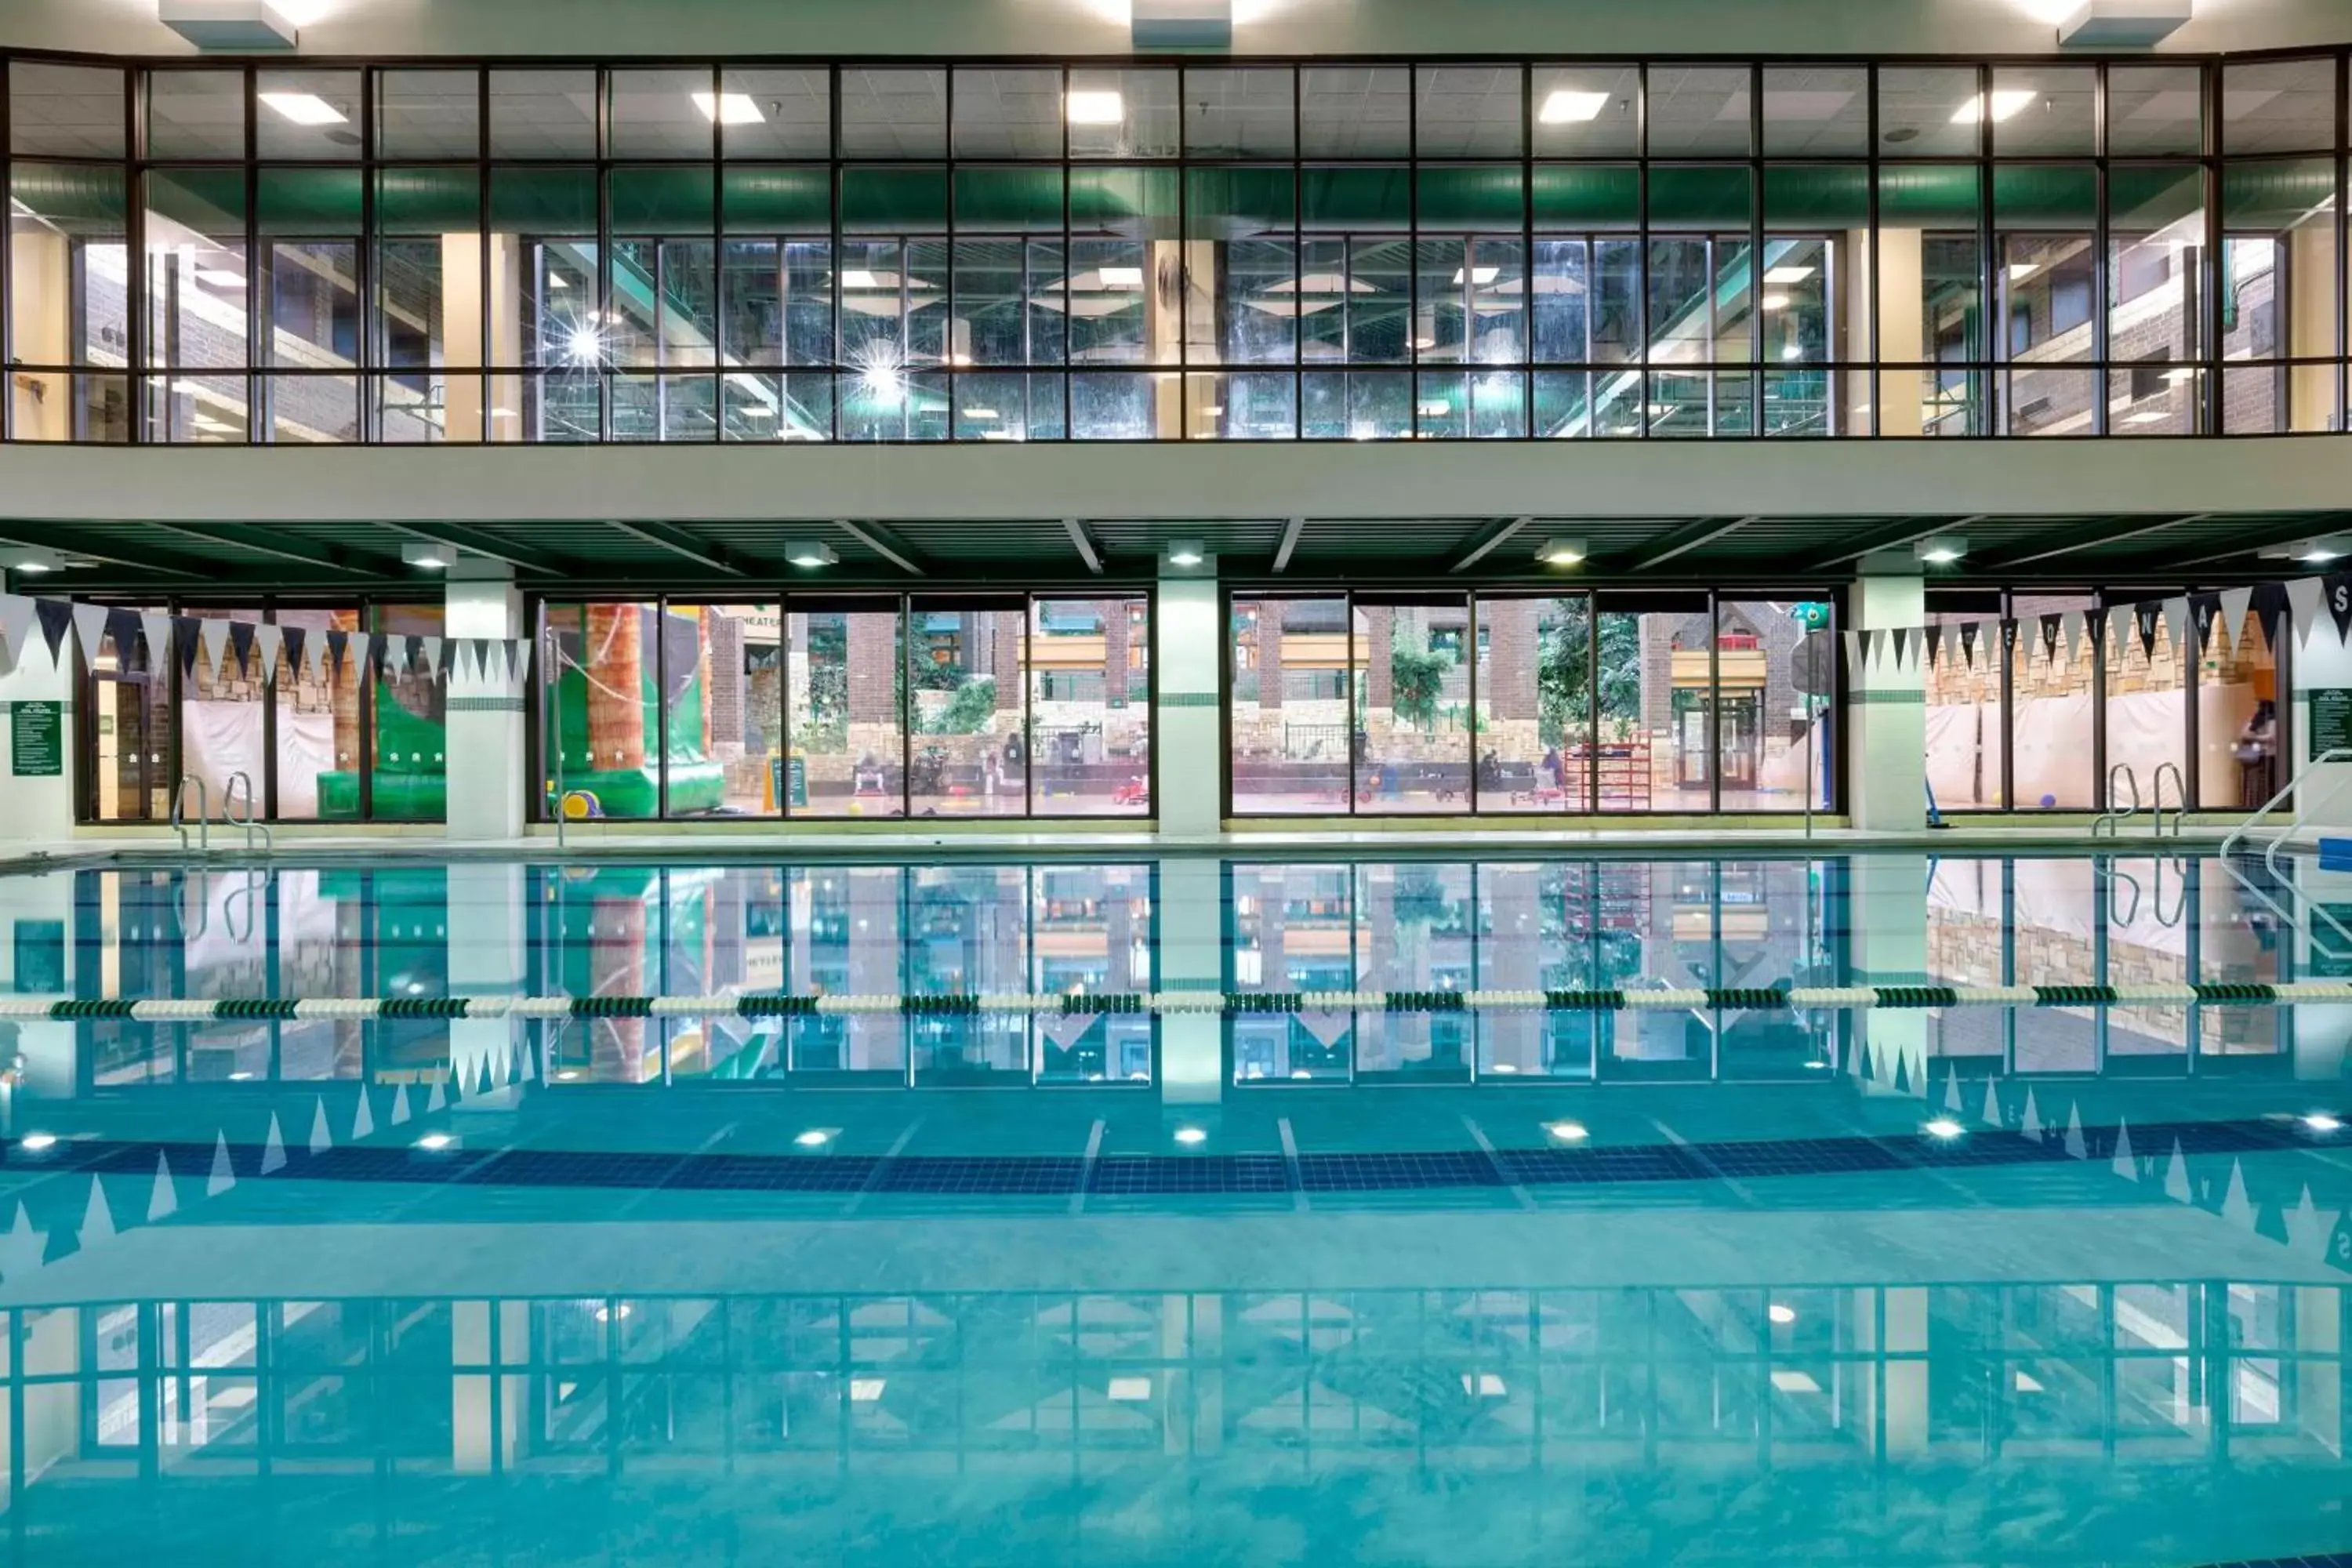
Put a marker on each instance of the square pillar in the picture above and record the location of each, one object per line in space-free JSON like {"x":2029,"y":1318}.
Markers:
{"x":488,"y":786}
{"x":37,"y":806}
{"x":1886,"y":708}
{"x":1185,"y":729}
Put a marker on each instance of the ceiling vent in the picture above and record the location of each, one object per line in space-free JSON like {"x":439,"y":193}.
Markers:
{"x":241,"y":24}
{"x":2122,"y":24}
{"x":1183,"y":24}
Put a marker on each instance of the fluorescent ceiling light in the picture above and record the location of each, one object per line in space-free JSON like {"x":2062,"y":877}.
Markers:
{"x":866,"y":1390}
{"x":1786,"y":275}
{"x":1483,"y":1386}
{"x":424,"y":552}
{"x":811,"y":553}
{"x":1560,"y":552}
{"x":1431,"y":407}
{"x":1185,"y":552}
{"x":1479,"y":275}
{"x":1099,"y":107}
{"x":2318,"y":552}
{"x":729,"y":108}
{"x":435,"y":1142}
{"x":2007,"y":104}
{"x":815,"y":1138}
{"x":1943,"y":1128}
{"x":1566,"y":1131}
{"x":1780,"y":1314}
{"x":1942,"y":551}
{"x":1792,"y":350}
{"x":859,"y":277}
{"x":558,"y":280}
{"x":2318,"y":1121}
{"x":756,"y":411}
{"x":1566,"y":106}
{"x":304,"y":108}
{"x":1122,"y":276}
{"x":1789,"y":1382}
{"x":220,"y":277}
{"x":981,"y":414}
{"x":1776,"y":301}
{"x":1130,"y":1390}
{"x":2019,"y":271}
{"x":1191,"y":1135}
{"x":34,"y":1142}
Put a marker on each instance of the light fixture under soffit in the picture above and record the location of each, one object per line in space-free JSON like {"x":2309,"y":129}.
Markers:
{"x":1186,"y":553}
{"x":810,"y":552}
{"x":1182,"y":24}
{"x":2122,"y":24}
{"x":1567,"y":106}
{"x":1562,"y":552}
{"x":1095,"y":106}
{"x":426,"y":553}
{"x":303,"y":107}
{"x":1942,"y":551}
{"x":229,"y":24}
{"x":732,"y":108}
{"x":2008,"y":102}
{"x":28,"y":558}
{"x":2320,"y":552}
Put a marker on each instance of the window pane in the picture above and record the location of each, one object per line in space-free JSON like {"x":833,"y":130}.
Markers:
{"x":1091,"y":707}
{"x":2278,"y":106}
{"x":2237,"y":736}
{"x":1355,"y":111}
{"x":1470,"y":111}
{"x":543,"y":114}
{"x":1411,"y":691}
{"x":776,"y":112}
{"x":665,"y":113}
{"x":1241,"y":113}
{"x":1122,"y":113}
{"x":893,"y":113}
{"x":2045,"y":279}
{"x":428,"y":114}
{"x":130,"y":690}
{"x":67,"y":301}
{"x":1772,"y":682}
{"x":2156,"y":249}
{"x":1928,"y":293}
{"x":2146,"y":700}
{"x":319,"y":720}
{"x":2153,"y":109}
{"x":1534,"y":704}
{"x":730,"y":716}
{"x":428,"y":316}
{"x":1291,"y":729}
{"x":1244,"y":308}
{"x":195,"y":114}
{"x":606,"y":704}
{"x":2051,"y":712}
{"x":308,"y":113}
{"x":1293,"y":930}
{"x":411,"y":753}
{"x":1588,"y":111}
{"x":2278,"y":296}
{"x":221,"y":717}
{"x":196,"y":292}
{"x":1816,"y":111}
{"x":844,"y":686}
{"x":1928,"y":112}
{"x":69,"y":111}
{"x":965,"y":676}
{"x":545,"y":312}
{"x":1698,"y":110}
{"x":2045,"y":110}
{"x":1965,"y":736}
{"x":1699,"y":300}
{"x":975,"y":940}
{"x":1008,"y":113}
{"x":1654,"y":749}
{"x":1414,"y":934}
{"x":853,"y":947}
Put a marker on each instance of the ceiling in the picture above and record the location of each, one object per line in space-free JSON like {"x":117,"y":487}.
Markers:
{"x":198,"y":559}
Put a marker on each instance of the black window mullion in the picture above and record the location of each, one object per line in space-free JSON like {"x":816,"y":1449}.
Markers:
{"x":257,"y":268}
{"x":1993,"y":349}
{"x":1470,"y":656}
{"x":363,"y":265}
{"x":833,"y":343}
{"x":2008,"y":610}
{"x":370,"y":619}
{"x":135,"y":276}
{"x":1592,"y":706}
{"x":2342,"y":266}
{"x":603,"y":370}
{"x":661,"y":706}
{"x":2100,"y":638}
{"x":1715,"y":706}
{"x":1872,"y":384}
{"x":904,"y":702}
{"x":1299,"y":272}
{"x":2212,"y":278}
{"x":7,"y":138}
{"x":486,"y":382}
{"x":267,"y":805}
{"x":1527,"y":251}
{"x":718,"y":272}
{"x":1641,"y":271}
{"x":1069,"y":256}
{"x":1755,"y":257}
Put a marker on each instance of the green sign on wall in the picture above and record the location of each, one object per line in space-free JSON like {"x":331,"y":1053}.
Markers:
{"x":2330,"y":721}
{"x":36,"y":739}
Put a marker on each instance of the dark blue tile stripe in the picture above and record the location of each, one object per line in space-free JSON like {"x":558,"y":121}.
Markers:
{"x":2317,"y":1560}
{"x":1033,"y":1175}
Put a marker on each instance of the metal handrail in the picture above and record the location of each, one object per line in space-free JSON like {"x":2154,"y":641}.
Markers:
{"x":2114,"y":818}
{"x":251,"y":821}
{"x":2180,"y":797}
{"x":2303,"y":808}
{"x":2184,"y":871}
{"x":203,"y":814}
{"x":2113,"y":874}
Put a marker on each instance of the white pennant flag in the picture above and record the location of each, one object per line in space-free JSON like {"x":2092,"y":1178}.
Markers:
{"x":2119,"y":631}
{"x":1854,"y":650}
{"x":16,"y":623}
{"x":212,"y":636}
{"x":2303,"y":602}
{"x":155,"y":626}
{"x":90,"y":626}
{"x":2070,"y":634}
{"x":2235,"y":602}
{"x":518,"y":669}
{"x":268,"y":641}
{"x":314,"y":655}
{"x":2176,"y":615}
{"x":356,"y":651}
{"x":433,"y":657}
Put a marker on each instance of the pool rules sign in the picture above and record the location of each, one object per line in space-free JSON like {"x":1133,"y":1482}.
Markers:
{"x":36,"y":739}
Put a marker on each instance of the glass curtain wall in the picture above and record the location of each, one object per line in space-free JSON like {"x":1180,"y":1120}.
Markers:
{"x":852,"y":706}
{"x":1520,"y":702}
{"x":1252,"y":251}
{"x":2039,"y":698}
{"x":314,"y":736}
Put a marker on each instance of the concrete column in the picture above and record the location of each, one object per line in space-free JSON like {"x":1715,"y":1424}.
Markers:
{"x":2323,"y":800}
{"x":479,"y":1442}
{"x":38,"y":806}
{"x":1888,"y":900}
{"x":488,"y":785}
{"x":1886,"y":708}
{"x":1186,"y":735}
{"x":488,"y":956}
{"x":1902,"y":328}
{"x":1192,"y":958}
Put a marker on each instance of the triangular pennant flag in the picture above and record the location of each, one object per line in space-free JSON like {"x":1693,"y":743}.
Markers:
{"x":337,"y":642}
{"x":2338,"y":599}
{"x":496,"y":1069}
{"x":518,"y":658}
{"x":364,"y":1124}
{"x":321,"y":1139}
{"x":482,"y":1076}
{"x":97,"y":1218}
{"x":2270,"y":608}
{"x":155,"y":626}
{"x":297,"y":642}
{"x":2072,"y":627}
{"x":2123,"y":1163}
{"x":2144,"y":620}
{"x":400,"y":1105}
{"x":530,"y":1073}
{"x":1952,"y":1091}
{"x":2050,"y":624}
{"x":2306,"y":1227}
{"x":89,"y":629}
{"x":2236,"y":1207}
{"x":57,"y":618}
{"x":2032,"y":1126}
{"x":1854,"y":650}
{"x":479,"y":648}
{"x":2116,"y":628}
{"x":411,"y":650}
{"x":268,"y":641}
{"x":165,"y":1200}
{"x":1969,"y":642}
{"x":2303,"y":602}
{"x":224,"y":1175}
{"x":24,"y":1249}
{"x":213,"y":633}
{"x":273,"y":1151}
{"x":2176,"y":1175}
{"x":1933,"y":635}
{"x":240,"y":643}
{"x":2204,"y":609}
{"x":16,"y":623}
{"x":361,"y":646}
{"x":431,"y":659}
{"x":2009,"y":637}
{"x":1993,"y":1118}
{"x":2076,"y":1147}
{"x":1901,"y":640}
{"x":184,"y":636}
{"x":122,"y":625}
{"x":436,"y":1101}
{"x":2175,"y":611}
{"x":1902,"y":1076}
{"x":2235,"y":602}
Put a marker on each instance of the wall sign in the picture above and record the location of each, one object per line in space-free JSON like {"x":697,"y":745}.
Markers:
{"x":2330,"y":720}
{"x":36,"y":739}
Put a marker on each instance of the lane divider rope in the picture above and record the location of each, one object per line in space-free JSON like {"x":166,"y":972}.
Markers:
{"x":1637,"y":999}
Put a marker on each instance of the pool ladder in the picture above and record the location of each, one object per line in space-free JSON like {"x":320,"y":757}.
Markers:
{"x":2118,"y":812}
{"x":238,"y":781}
{"x":2310,"y":801}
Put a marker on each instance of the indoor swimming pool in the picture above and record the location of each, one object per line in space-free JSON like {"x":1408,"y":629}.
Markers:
{"x":1882,"y":1208}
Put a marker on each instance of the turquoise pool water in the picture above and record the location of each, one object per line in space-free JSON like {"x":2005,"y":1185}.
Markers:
{"x":1882,"y":1209}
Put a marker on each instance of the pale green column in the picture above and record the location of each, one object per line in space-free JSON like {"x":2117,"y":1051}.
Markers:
{"x":1887,"y":706}
{"x":1187,"y":728}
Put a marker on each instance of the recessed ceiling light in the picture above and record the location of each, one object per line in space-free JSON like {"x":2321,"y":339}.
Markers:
{"x":435,"y":1142}
{"x":2321,"y":1122}
{"x":1433,"y":407}
{"x":1943,"y":1128}
{"x":1566,"y":105}
{"x":424,"y":553}
{"x":1560,"y":552}
{"x":866,"y":1390}
{"x":1097,"y":107}
{"x":1780,"y":1314}
{"x":606,"y":1314}
{"x":1483,"y":1386}
{"x":859,"y":277}
{"x":2019,"y":271}
{"x":1567,"y":1131}
{"x":728,"y":108}
{"x":981,"y":414}
{"x":815,"y":1138}
{"x":1479,"y":275}
{"x":1122,"y":276}
{"x":1775,"y":301}
{"x":1191,"y":1135}
{"x":2318,"y":553}
{"x":1789,"y":274}
{"x":1787,"y":1380}
{"x":809,"y":552}
{"x":1185,"y":552}
{"x":2007,"y":104}
{"x":1130,"y":1390}
{"x":1942,"y":551}
{"x":34,"y":1142}
{"x":304,"y":108}
{"x":240,"y":1078}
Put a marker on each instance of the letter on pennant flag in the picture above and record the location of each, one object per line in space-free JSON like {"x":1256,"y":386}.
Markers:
{"x":2338,"y":597}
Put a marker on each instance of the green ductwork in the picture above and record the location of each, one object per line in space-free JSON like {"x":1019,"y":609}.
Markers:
{"x":1024,"y":200}
{"x":309,"y":203}
{"x":664,"y":201}
{"x":1473,"y":196}
{"x":2276,"y":194}
{"x":1239,"y":202}
{"x":427,"y":201}
{"x":74,"y":198}
{"x":543,"y":201}
{"x":894,"y":201}
{"x":790,"y":199}
{"x":1134,"y":203}
{"x":1586,"y":196}
{"x":209,"y":201}
{"x":1365,"y":197}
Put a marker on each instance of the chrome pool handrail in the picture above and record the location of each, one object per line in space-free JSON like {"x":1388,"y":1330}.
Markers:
{"x":203,"y":814}
{"x":251,"y":821}
{"x":2113,"y":818}
{"x":2179,"y":798}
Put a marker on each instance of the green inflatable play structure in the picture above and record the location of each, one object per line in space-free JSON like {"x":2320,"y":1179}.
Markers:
{"x":697,"y":783}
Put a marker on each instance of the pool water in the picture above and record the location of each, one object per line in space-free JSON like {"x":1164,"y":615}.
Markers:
{"x":1876,"y":1209}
